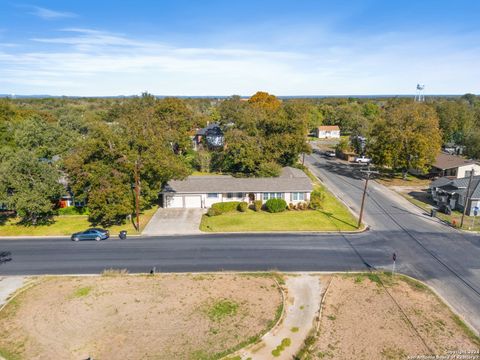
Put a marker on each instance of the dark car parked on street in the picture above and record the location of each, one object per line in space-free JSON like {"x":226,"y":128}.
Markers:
{"x":91,"y":234}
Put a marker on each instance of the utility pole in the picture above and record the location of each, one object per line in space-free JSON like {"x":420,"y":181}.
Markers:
{"x":368,"y":172}
{"x":137,"y":195}
{"x":467,"y":197}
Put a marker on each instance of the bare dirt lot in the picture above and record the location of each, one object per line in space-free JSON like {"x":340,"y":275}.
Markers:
{"x":138,"y":317}
{"x":363,"y":319}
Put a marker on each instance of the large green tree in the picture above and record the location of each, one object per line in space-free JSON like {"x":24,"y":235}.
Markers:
{"x":407,"y":136}
{"x":141,"y":146}
{"x":29,"y":186}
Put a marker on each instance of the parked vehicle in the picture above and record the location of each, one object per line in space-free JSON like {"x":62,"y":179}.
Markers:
{"x":102,"y":231}
{"x":363,"y":160}
{"x":91,"y":234}
{"x":330,"y":154}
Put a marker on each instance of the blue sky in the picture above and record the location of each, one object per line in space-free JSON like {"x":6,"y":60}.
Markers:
{"x":205,"y":47}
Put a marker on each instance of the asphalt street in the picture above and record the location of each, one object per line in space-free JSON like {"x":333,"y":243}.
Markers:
{"x":446,"y":259}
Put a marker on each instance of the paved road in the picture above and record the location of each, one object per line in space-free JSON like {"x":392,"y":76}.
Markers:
{"x":426,"y":249}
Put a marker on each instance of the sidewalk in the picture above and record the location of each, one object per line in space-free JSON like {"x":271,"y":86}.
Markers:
{"x":8,"y":285}
{"x":302,"y":306}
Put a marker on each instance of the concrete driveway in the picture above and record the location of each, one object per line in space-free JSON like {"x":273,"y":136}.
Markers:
{"x":174,"y":222}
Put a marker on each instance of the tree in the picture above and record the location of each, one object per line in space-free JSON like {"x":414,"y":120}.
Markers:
{"x":29,"y":186}
{"x":140,"y":149}
{"x":406,"y":137}
{"x":265,"y":101}
{"x":456,"y":119}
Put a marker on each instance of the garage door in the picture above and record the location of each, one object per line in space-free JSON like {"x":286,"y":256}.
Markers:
{"x":175,"y":202}
{"x":193,"y":201}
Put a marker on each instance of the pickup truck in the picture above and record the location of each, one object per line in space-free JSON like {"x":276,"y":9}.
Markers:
{"x":363,"y":160}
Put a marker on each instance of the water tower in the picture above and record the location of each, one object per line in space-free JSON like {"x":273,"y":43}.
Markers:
{"x":420,"y":95}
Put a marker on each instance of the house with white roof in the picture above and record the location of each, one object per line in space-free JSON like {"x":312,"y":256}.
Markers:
{"x":328,"y":132}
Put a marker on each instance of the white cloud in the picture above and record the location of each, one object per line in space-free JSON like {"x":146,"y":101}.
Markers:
{"x":49,"y":14}
{"x":93,"y":62}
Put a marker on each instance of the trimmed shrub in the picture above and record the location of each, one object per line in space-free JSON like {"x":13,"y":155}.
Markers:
{"x":213,"y":212}
{"x":276,"y":205}
{"x":243,"y":206}
{"x":291,"y":206}
{"x":73,"y":210}
{"x":224,"y":207}
{"x":316,"y":199}
{"x":257,"y":205}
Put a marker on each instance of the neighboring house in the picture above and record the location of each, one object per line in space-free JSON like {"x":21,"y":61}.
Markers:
{"x":453,"y":149}
{"x":211,"y":135}
{"x":293,"y":185}
{"x":327,"y":132}
{"x":453,"y":192}
{"x":453,"y":166}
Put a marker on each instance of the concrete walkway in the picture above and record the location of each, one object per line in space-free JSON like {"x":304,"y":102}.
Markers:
{"x":8,"y":285}
{"x":174,"y":222}
{"x":302,"y":305}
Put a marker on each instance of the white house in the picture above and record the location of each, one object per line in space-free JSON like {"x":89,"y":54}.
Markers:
{"x":293,"y":185}
{"x":328,"y":132}
{"x":453,"y":166}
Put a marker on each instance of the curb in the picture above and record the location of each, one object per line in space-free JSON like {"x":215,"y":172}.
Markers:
{"x":40,"y":237}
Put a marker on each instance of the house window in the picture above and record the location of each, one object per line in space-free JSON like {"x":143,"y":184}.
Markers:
{"x":229,"y":195}
{"x":213,"y":195}
{"x":239,"y":195}
{"x":298,"y":196}
{"x":267,"y":196}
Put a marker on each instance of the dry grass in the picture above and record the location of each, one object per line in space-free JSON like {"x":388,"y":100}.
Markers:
{"x":138,"y":317}
{"x":360,"y":320}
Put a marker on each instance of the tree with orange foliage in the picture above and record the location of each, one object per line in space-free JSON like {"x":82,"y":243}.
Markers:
{"x":265,"y":100}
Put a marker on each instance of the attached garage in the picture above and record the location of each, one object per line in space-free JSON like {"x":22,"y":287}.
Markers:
{"x":193,"y":201}
{"x":184,"y":201}
{"x":174,"y":201}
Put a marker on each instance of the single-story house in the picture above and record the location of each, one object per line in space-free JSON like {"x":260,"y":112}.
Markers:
{"x":327,"y":132}
{"x":453,"y":192}
{"x":453,"y":166}
{"x":293,"y":185}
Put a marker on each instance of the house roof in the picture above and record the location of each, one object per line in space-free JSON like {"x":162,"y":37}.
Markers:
{"x":212,"y":126}
{"x":290,"y":180}
{"x":329,"y":128}
{"x":445,"y":161}
{"x":458,"y":186}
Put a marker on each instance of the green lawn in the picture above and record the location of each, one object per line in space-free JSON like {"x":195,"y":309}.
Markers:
{"x":68,"y":224}
{"x":335,"y":216}
{"x":470,"y":222}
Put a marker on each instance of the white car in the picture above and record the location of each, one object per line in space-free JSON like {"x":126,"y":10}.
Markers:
{"x":330,"y":154}
{"x":363,"y":160}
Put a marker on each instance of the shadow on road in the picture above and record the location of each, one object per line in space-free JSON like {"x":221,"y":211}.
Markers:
{"x":5,"y":256}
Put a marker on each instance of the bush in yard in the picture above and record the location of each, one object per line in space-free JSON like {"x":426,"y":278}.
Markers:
{"x":243,"y":206}
{"x":291,"y":206}
{"x":257,"y":205}
{"x":316,"y":199}
{"x":224,"y":207}
{"x":276,"y":205}
{"x":213,"y":212}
